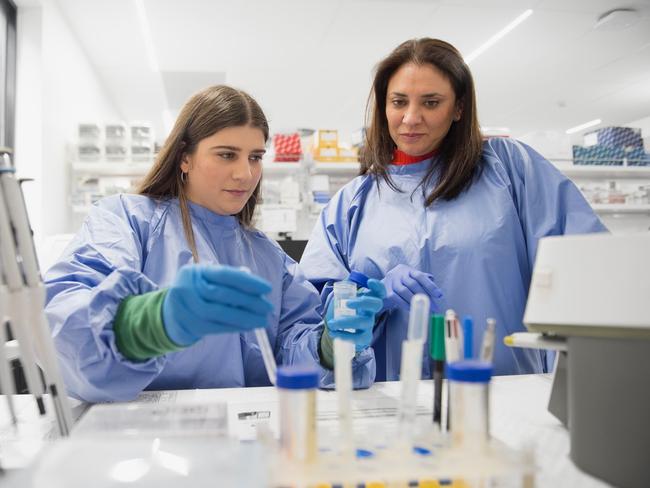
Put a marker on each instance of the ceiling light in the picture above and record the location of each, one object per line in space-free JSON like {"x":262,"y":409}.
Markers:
{"x":584,"y":126}
{"x":146,"y":35}
{"x":617,"y":19}
{"x":492,"y":40}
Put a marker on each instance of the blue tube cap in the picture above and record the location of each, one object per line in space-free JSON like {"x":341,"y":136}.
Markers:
{"x":297,"y":377}
{"x":469,"y":371}
{"x":359,"y":278}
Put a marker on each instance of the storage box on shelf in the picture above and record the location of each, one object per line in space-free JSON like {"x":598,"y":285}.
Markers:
{"x":91,"y":180}
{"x":615,"y":146}
{"x":293,"y":193}
{"x":89,"y":145}
{"x":116,"y":145}
{"x":142,"y":141}
{"x":620,"y":195}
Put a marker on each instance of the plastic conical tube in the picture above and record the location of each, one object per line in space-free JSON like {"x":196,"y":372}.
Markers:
{"x":419,"y":317}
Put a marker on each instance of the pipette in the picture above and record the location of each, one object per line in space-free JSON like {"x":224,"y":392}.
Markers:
{"x":411,"y":366}
{"x":6,"y":382}
{"x":343,"y":355}
{"x":265,"y":347}
{"x":32,"y":294}
{"x":12,"y":286}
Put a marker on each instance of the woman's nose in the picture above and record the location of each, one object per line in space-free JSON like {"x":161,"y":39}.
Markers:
{"x":412,"y":116}
{"x":242,"y":170}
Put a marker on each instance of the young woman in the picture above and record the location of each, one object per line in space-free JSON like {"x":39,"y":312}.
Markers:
{"x":439,"y":210}
{"x":162,"y":290}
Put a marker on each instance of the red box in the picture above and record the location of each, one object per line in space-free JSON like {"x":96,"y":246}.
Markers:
{"x":287,"y":147}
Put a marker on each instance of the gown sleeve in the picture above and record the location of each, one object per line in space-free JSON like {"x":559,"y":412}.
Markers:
{"x":548,"y":203}
{"x":99,"y":268}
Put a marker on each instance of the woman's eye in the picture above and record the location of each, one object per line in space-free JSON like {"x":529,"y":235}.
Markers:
{"x":226,"y":155}
{"x":431,"y":103}
{"x":398,"y":102}
{"x":255,"y":158}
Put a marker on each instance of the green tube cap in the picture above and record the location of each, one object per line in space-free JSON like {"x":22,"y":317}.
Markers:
{"x":437,"y":335}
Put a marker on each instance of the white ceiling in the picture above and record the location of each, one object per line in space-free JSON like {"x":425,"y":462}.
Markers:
{"x":309,"y":62}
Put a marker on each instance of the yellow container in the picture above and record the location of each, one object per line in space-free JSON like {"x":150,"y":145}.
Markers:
{"x":326,"y":153}
{"x":326,"y":138}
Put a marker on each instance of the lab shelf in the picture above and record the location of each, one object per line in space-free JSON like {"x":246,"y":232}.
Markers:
{"x":577,"y":171}
{"x":318,"y":167}
{"x":109,"y":168}
{"x":282,"y":167}
{"x":621,"y":208}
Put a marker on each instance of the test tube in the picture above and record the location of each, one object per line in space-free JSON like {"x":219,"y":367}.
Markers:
{"x":267,"y":353}
{"x":343,"y":291}
{"x":265,"y":347}
{"x":297,"y":400}
{"x":469,"y":393}
{"x":418,"y":317}
{"x":343,"y":354}
{"x":411,"y":366}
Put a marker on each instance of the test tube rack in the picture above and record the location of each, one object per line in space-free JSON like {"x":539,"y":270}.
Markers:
{"x":429,"y":461}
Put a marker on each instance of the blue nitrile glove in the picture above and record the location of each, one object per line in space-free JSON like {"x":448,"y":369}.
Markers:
{"x":366,"y":304}
{"x":209,"y":299}
{"x":402,"y":282}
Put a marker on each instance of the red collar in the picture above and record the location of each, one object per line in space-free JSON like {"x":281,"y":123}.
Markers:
{"x":400,"y":158}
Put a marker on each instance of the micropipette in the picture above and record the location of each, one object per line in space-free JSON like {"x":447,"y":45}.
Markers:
{"x":6,"y":381}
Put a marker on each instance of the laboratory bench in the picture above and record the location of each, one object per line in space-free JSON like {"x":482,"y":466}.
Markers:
{"x":518,"y":418}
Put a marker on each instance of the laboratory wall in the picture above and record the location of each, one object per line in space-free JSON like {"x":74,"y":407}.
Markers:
{"x":56,"y":88}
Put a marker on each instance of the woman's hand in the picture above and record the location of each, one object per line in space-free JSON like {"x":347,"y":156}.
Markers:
{"x":209,"y":299}
{"x":358,"y":328}
{"x":402,"y":282}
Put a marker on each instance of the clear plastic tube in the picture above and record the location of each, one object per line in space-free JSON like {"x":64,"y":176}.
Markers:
{"x":267,"y":353}
{"x":469,"y":382}
{"x":265,"y":347}
{"x":419,"y":317}
{"x":344,"y":291}
{"x":297,"y":398}
{"x":469,"y":404}
{"x":343,"y":354}
{"x":411,"y":366}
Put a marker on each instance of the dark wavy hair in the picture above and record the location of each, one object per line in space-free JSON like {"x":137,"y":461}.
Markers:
{"x":208,"y":111}
{"x":461,"y":148}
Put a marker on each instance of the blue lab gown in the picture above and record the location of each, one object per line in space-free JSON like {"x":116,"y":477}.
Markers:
{"x":131,"y":244}
{"x":480,"y":247}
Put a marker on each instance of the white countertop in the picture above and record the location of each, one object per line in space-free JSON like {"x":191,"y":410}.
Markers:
{"x":518,"y":418}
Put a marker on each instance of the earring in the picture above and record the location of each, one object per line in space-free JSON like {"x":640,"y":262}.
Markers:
{"x":183,"y":177}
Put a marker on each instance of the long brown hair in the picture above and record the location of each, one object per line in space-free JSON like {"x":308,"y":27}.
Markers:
{"x":460,"y":150}
{"x":205,"y":113}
